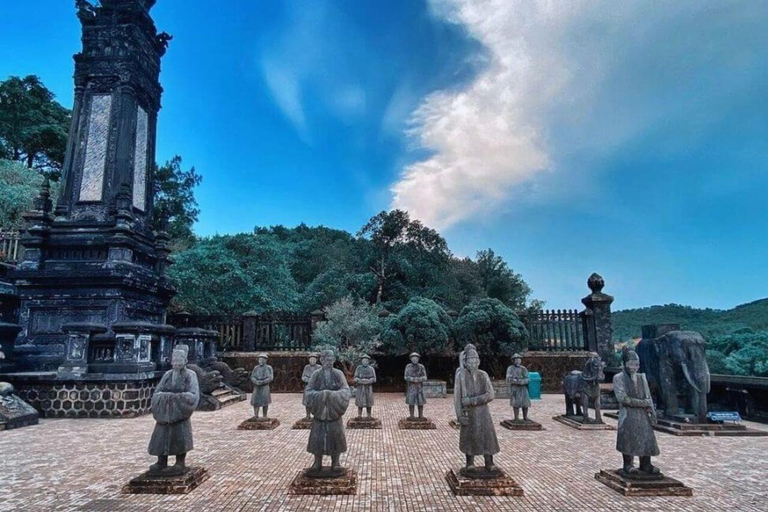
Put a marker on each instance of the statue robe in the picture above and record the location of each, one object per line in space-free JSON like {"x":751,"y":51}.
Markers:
{"x":518,"y":391}
{"x":479,"y":436}
{"x":327,"y":398}
{"x":415,"y":376}
{"x":261,"y":378}
{"x":174,"y":401}
{"x":635,"y":436}
{"x":365,"y":378}
{"x":305,"y":376}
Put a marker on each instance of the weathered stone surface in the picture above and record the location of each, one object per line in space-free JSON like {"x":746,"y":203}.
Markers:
{"x":502,"y":485}
{"x":416,"y":424}
{"x":15,"y":412}
{"x":303,"y":424}
{"x":365,"y":422}
{"x":182,"y":484}
{"x":346,"y":484}
{"x":681,"y":428}
{"x":663,"y":486}
{"x":435,"y":388}
{"x":578,"y":423}
{"x":259,"y":424}
{"x":521,"y":425}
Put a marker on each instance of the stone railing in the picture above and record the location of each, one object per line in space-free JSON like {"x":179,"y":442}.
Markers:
{"x":10,"y":247}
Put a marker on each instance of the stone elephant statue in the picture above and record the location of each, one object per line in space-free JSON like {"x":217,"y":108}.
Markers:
{"x":683,"y":373}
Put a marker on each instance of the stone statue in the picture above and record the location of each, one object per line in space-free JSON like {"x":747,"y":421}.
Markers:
{"x":472,"y":393}
{"x":581,"y":386}
{"x":174,"y":401}
{"x":261,"y":377}
{"x":365,"y":378}
{"x":309,"y":369}
{"x":683,"y":372}
{"x":636,"y":418}
{"x":328,"y":398}
{"x":85,"y":10}
{"x":517,"y":378}
{"x":162,"y":40}
{"x":415,"y":376}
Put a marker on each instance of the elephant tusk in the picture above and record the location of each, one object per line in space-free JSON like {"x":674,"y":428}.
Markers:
{"x":689,"y":379}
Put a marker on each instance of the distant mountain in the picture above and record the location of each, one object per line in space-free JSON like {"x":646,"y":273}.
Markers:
{"x":709,"y":322}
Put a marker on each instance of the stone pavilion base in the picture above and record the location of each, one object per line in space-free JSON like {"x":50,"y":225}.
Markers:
{"x":501,"y":485}
{"x":365,"y":423}
{"x":303,"y":424}
{"x":576,"y":422}
{"x":346,"y":484}
{"x":181,"y":484}
{"x":416,"y":424}
{"x":663,"y":486}
{"x":521,"y":425}
{"x":254,"y":423}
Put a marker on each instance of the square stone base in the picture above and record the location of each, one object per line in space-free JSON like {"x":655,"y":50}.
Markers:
{"x":302,"y":424}
{"x":254,"y":423}
{"x":680,"y":428}
{"x":365,"y":423}
{"x":575,"y":422}
{"x":416,"y":424}
{"x":521,"y":425}
{"x":181,"y":484}
{"x":463,"y":486}
{"x":663,"y":486}
{"x":344,"y":485}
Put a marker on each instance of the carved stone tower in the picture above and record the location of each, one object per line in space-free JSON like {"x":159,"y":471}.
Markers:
{"x":92,"y":283}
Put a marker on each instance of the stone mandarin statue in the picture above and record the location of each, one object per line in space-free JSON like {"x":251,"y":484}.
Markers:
{"x":517,"y":378}
{"x":328,"y":398}
{"x":415,"y":376}
{"x":309,"y":369}
{"x":365,"y":378}
{"x":472,"y":393}
{"x":174,"y":401}
{"x":261,"y":377}
{"x":636,"y":417}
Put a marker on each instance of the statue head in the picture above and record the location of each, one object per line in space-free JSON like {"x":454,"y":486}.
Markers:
{"x":262,"y":359}
{"x":517,"y":359}
{"x":471,"y":358}
{"x":415,"y":357}
{"x":631,"y":361}
{"x":328,"y":358}
{"x":313,"y":359}
{"x":365,"y":360}
{"x":179,"y":357}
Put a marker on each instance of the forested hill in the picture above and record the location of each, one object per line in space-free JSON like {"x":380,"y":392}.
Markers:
{"x":710,"y":322}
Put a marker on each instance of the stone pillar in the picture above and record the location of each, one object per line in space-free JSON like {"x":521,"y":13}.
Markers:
{"x":199,"y":342}
{"x":79,"y":335}
{"x":161,"y":355}
{"x":250,"y":320}
{"x":597,"y":318}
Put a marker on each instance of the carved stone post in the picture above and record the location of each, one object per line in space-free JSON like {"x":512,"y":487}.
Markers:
{"x":250,"y":319}
{"x":75,"y":364}
{"x":599,"y":331}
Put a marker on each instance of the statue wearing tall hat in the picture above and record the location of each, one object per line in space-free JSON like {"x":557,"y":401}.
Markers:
{"x":517,"y":378}
{"x":309,"y":369}
{"x":365,"y":378}
{"x":415,"y":376}
{"x":261,"y":377}
{"x":173,"y":402}
{"x":472,"y":393}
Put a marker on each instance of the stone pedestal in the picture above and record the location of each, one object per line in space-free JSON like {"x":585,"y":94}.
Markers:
{"x":521,"y":425}
{"x":416,"y":424}
{"x":364,"y":423}
{"x":435,"y":388}
{"x":659,"y":485}
{"x":344,"y":484}
{"x":302,"y":424}
{"x":680,"y":428}
{"x":500,"y":485}
{"x":578,"y":423}
{"x":254,"y":423}
{"x":15,"y":412}
{"x":181,"y":484}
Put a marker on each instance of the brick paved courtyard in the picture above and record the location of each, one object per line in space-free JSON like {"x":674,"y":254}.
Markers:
{"x":82,"y":464}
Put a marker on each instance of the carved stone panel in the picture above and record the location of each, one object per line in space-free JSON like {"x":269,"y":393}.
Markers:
{"x":140,"y":161}
{"x":91,"y":188}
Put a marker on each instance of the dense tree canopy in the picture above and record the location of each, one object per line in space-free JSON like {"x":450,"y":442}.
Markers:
{"x":175,"y":207}
{"x":33,"y":125}
{"x":422,"y":326}
{"x":492,"y":326}
{"x":744,"y":352}
{"x":19,"y":186}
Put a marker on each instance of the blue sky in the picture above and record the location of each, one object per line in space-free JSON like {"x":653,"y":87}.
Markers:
{"x":626,"y":138}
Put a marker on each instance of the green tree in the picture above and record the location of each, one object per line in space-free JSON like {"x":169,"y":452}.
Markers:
{"x":19,"y":186}
{"x":422,"y":326}
{"x":500,"y":282}
{"x":493,"y":327}
{"x":232,"y":275}
{"x":352,"y":328}
{"x":175,"y":206}
{"x":33,"y":125}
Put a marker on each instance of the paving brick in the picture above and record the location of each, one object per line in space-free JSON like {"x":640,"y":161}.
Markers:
{"x":81,"y":464}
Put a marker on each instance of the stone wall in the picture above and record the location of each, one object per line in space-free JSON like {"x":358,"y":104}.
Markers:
{"x":552,"y":366}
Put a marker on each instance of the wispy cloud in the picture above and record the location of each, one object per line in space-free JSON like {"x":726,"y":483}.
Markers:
{"x":562,"y":78}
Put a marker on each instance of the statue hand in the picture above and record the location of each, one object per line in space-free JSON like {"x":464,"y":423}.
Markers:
{"x":466,"y":402}
{"x":463,"y":420}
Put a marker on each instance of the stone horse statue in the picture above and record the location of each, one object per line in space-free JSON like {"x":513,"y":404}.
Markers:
{"x":581,"y":386}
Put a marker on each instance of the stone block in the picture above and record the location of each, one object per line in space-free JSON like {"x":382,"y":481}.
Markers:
{"x":501,"y":485}
{"x":416,"y":424}
{"x":512,"y":424}
{"x":345,"y":484}
{"x":254,"y":423}
{"x":181,"y":484}
{"x":661,"y":486}
{"x":577,"y":423}
{"x":364,"y":423}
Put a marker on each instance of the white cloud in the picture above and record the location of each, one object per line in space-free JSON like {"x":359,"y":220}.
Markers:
{"x":563,"y":78}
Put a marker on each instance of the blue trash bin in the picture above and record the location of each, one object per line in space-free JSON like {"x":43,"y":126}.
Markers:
{"x":534,"y":385}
